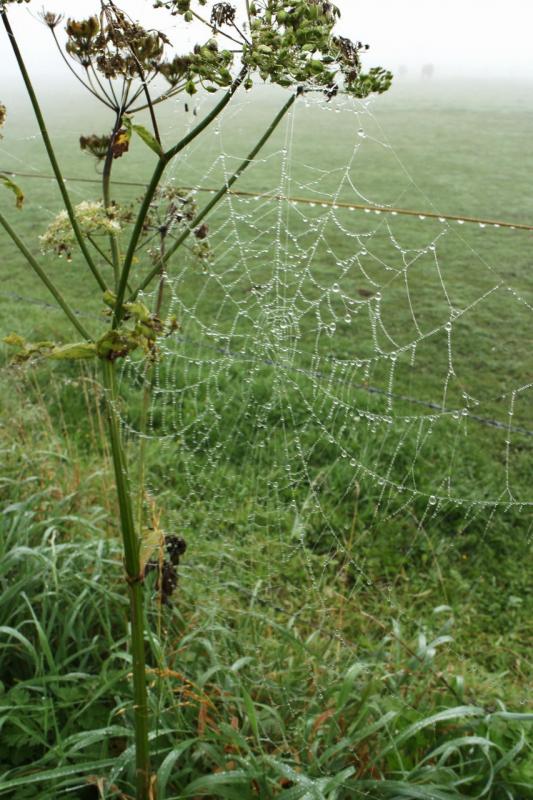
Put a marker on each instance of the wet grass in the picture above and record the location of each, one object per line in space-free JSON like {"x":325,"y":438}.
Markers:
{"x":337,"y":536}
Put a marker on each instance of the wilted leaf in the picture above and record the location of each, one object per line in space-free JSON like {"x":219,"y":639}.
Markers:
{"x":121,"y":143}
{"x":17,"y":191}
{"x":144,"y":134}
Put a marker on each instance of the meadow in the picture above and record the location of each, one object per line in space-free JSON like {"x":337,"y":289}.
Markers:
{"x":342,"y":431}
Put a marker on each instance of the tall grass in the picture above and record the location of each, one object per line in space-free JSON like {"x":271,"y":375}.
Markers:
{"x":251,"y":699}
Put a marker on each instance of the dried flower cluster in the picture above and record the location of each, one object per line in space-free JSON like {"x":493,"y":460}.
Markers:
{"x":114,"y":45}
{"x":179,"y":7}
{"x":50,"y":19}
{"x":97,"y":146}
{"x":171,"y":208}
{"x":119,"y":48}
{"x":93,"y":219}
{"x":223,"y":14}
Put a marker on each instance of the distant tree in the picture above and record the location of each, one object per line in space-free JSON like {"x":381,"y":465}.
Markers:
{"x":428,"y":71}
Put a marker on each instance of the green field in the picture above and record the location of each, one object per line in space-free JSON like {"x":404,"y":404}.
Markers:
{"x":342,"y":431}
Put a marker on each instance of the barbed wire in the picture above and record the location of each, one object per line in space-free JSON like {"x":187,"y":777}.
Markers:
{"x":373,"y":390}
{"x":324,"y":203}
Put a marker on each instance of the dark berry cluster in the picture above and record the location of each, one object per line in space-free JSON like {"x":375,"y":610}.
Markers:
{"x":167,"y":570}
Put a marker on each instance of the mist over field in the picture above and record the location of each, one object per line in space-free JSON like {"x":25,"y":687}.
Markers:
{"x":294,"y":463}
{"x":482,"y":39}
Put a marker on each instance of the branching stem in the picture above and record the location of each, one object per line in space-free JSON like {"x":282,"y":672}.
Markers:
{"x":51,"y":154}
{"x":52,"y":288}
{"x":154,"y":183}
{"x":219,"y":195}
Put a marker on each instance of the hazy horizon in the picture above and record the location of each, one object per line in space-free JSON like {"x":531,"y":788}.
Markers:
{"x":463,"y":41}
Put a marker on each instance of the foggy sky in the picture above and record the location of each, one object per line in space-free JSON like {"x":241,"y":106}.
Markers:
{"x":462,"y":38}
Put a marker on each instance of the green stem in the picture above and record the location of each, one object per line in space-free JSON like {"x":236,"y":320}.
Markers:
{"x":134,"y":578}
{"x":147,"y":394}
{"x":51,"y":154}
{"x":218,"y":196}
{"x":154,"y":183}
{"x":99,"y":250}
{"x":106,"y":192}
{"x":44,"y":277}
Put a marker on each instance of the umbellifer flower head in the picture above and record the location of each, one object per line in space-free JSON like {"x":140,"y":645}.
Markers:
{"x":93,"y":219}
{"x":50,"y":19}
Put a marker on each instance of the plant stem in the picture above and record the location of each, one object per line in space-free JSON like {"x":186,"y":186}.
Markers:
{"x":154,"y":183}
{"x":99,"y":250}
{"x":209,"y":118}
{"x":44,"y":277}
{"x":106,"y":192}
{"x":134,"y":578}
{"x":147,"y":393}
{"x":219,"y":195}
{"x":51,"y":154}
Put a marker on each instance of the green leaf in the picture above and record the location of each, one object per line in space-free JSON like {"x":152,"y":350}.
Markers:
{"x":250,"y":713}
{"x":165,"y":770}
{"x":73,"y":772}
{"x":207,"y":783}
{"x":73,"y":351}
{"x":17,"y":191}
{"x":144,"y":134}
{"x":459,"y":712}
{"x":148,"y":139}
{"x":347,"y":688}
{"x":410,"y":790}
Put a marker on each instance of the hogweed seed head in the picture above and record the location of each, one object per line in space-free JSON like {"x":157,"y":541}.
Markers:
{"x":50,"y":19}
{"x":223,"y":14}
{"x":97,"y":146}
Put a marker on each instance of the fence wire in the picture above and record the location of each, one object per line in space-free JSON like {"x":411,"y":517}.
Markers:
{"x":373,"y":390}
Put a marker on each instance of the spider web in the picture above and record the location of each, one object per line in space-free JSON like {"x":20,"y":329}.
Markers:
{"x":331,"y":364}
{"x":329,"y":358}
{"x":341,"y":314}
